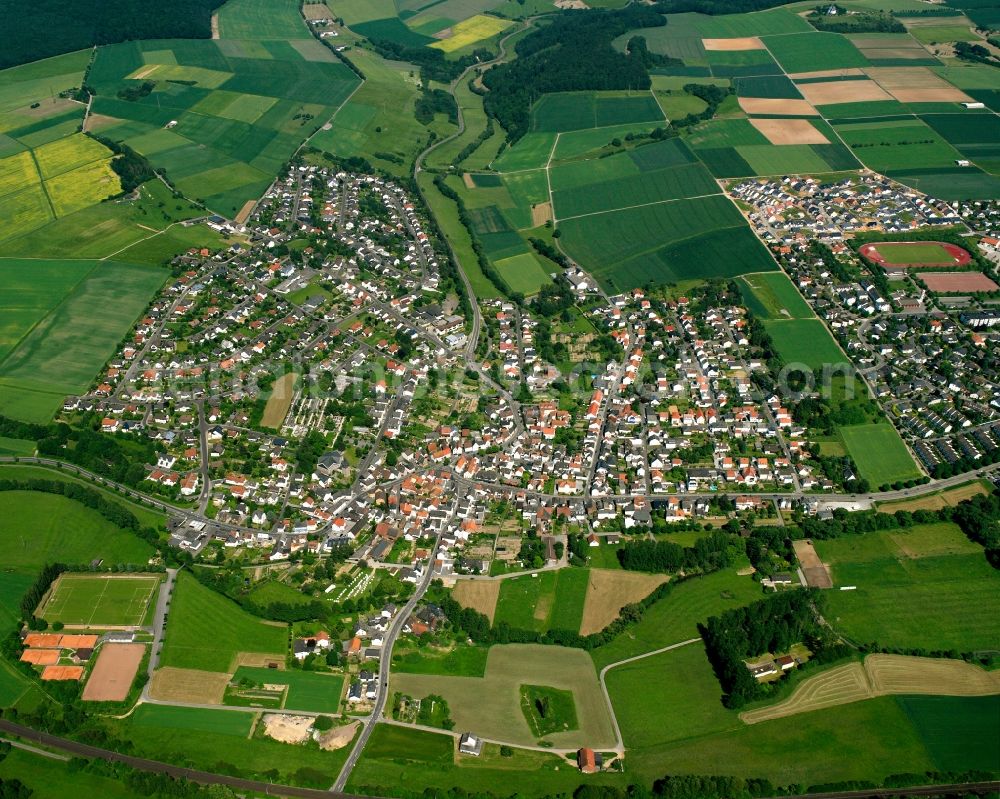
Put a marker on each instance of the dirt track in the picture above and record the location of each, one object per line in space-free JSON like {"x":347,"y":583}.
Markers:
{"x":112,"y":677}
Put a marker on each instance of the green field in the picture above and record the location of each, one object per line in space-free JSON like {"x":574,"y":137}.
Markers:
{"x":681,"y":680}
{"x":580,"y":110}
{"x":39,"y":528}
{"x":205,"y":630}
{"x":936,"y":34}
{"x":926,"y":587}
{"x":959,"y":732}
{"x":531,"y":151}
{"x":378,"y":120}
{"x":676,"y":617}
{"x":897,"y":144}
{"x":551,"y":601}
{"x":879,"y":453}
{"x":805,"y":342}
{"x":523,"y":273}
{"x":52,"y":357}
{"x":306,"y":690}
{"x":51,"y":778}
{"x":100,"y":600}
{"x":218,"y":740}
{"x":809,"y":52}
{"x":666,"y":242}
{"x":460,"y":661}
{"x":243,"y":106}
{"x":772,"y":295}
{"x":548,"y":710}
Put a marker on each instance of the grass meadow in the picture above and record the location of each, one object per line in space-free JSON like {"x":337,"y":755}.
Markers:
{"x":217,"y":740}
{"x":879,"y":452}
{"x":50,"y":778}
{"x":926,"y":587}
{"x":39,"y":528}
{"x":805,"y":341}
{"x":551,"y":600}
{"x":306,"y":690}
{"x":771,"y":295}
{"x":206,"y":630}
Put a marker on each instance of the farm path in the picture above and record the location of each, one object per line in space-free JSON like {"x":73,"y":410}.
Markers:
{"x":159,"y":619}
{"x":34,"y":749}
{"x":620,"y":746}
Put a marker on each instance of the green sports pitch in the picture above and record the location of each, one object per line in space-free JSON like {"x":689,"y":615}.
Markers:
{"x":100,"y":600}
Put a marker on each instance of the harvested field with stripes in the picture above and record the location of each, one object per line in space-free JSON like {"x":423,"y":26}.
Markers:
{"x":877,"y":676}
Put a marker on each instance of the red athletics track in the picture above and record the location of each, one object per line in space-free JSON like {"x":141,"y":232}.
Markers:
{"x":959,"y":256}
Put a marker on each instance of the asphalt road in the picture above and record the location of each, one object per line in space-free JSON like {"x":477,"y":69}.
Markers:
{"x":385,"y":661}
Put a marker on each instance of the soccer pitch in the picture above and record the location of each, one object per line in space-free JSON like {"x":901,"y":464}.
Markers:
{"x":105,"y":600}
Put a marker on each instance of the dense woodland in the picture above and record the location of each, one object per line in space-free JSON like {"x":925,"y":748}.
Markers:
{"x":36,"y":29}
{"x":571,"y":53}
{"x":771,"y":625}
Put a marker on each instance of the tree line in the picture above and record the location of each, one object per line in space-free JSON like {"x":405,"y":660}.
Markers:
{"x":707,"y":554}
{"x":42,"y":28}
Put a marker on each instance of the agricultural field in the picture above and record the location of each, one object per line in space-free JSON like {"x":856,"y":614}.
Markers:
{"x":609,"y":590}
{"x":879,"y":452}
{"x":100,"y":600}
{"x":805,"y":342}
{"x":552,"y":600}
{"x":675,"y":618}
{"x":771,"y":295}
{"x":491,"y":705}
{"x":208,"y":631}
{"x":555,"y":113}
{"x":51,"y":778}
{"x":880,"y":675}
{"x":810,"y":52}
{"x":234,"y":109}
{"x":896,"y":145}
{"x":378,"y":119}
{"x":665,"y":242}
{"x":939,"y":499}
{"x":926,"y":587}
{"x":51,"y":359}
{"x":652,"y":174}
{"x":303,"y":690}
{"x":959,"y":732}
{"x":457,"y":661}
{"x":471,"y":31}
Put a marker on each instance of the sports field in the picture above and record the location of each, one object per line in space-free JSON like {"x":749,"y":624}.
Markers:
{"x":879,"y":453}
{"x":100,"y":600}
{"x":926,"y":587}
{"x":492,"y":705}
{"x":207,"y":631}
{"x":805,"y":342}
{"x":917,"y":253}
